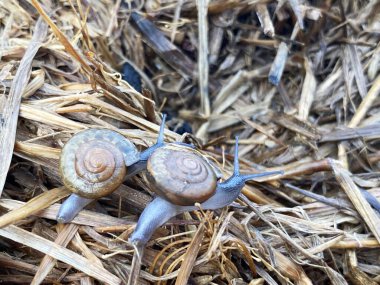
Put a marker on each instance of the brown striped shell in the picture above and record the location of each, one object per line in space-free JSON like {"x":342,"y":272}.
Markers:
{"x":93,"y":162}
{"x":181,"y":175}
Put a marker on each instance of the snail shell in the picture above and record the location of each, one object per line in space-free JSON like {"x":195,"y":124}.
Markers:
{"x":93,"y":162}
{"x":181,"y":175}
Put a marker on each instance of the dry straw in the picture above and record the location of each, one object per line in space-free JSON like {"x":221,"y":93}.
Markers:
{"x":207,"y":64}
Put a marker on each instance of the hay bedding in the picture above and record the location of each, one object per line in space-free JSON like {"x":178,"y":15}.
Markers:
{"x":208,"y":65}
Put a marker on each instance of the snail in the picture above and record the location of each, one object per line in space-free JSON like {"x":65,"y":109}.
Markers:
{"x":95,"y":162}
{"x":181,"y":177}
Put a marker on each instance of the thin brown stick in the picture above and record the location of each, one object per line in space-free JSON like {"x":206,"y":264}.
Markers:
{"x":11,"y":109}
{"x":60,"y":253}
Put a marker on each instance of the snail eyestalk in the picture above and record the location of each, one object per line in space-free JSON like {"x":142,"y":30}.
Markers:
{"x":144,"y":156}
{"x":160,"y":139}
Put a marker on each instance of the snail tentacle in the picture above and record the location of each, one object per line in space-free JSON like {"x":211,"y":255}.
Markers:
{"x":144,"y":155}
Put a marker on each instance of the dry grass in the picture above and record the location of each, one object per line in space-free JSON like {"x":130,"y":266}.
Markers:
{"x":298,"y":83}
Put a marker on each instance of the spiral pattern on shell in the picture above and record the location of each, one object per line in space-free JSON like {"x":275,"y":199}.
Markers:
{"x":93,"y":162}
{"x":181,"y":175}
